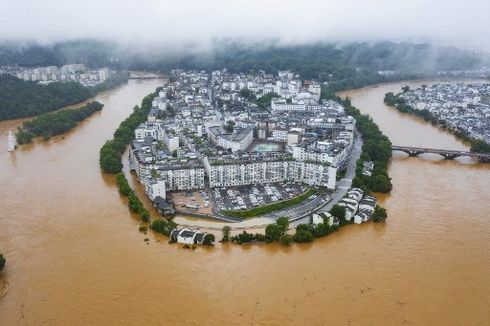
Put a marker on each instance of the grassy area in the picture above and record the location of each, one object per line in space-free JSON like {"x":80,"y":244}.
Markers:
{"x":265,"y":209}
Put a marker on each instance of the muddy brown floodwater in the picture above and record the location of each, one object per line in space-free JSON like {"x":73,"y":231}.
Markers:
{"x":75,"y":256}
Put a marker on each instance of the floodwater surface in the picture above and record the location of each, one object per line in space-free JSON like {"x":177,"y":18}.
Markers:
{"x":75,"y":256}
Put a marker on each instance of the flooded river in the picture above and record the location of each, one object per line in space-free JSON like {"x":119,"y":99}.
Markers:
{"x":75,"y":256}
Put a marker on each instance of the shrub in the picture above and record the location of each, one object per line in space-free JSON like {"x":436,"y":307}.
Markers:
{"x":338,"y":211}
{"x":226,"y":233}
{"x":243,"y":237}
{"x":260,"y":237}
{"x":123,"y":185}
{"x":283,"y":224}
{"x":379,"y":214}
{"x":2,"y":262}
{"x":286,"y":239}
{"x":272,"y":232}
{"x":303,"y":236}
{"x":208,"y":239}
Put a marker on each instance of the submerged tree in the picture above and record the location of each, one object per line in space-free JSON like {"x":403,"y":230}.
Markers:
{"x":226,"y":233}
{"x":338,"y":211}
{"x":2,"y":262}
{"x":379,"y":214}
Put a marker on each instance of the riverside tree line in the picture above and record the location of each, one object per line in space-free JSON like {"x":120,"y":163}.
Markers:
{"x":376,"y":148}
{"x":52,"y":124}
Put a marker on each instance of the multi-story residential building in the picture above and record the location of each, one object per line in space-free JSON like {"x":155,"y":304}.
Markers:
{"x":280,"y":134}
{"x":225,"y":174}
{"x":172,"y":142}
{"x":155,"y":188}
{"x":152,"y":130}
{"x":238,"y":140}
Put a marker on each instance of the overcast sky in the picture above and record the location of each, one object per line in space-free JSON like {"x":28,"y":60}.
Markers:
{"x":460,"y":22}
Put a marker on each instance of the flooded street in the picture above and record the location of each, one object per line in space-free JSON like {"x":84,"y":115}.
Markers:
{"x":75,"y":256}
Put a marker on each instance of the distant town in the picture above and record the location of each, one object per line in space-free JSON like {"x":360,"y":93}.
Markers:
{"x":460,"y":106}
{"x":219,"y":143}
{"x":73,"y":72}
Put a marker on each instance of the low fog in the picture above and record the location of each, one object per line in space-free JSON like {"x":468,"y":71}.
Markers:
{"x":196,"y":23}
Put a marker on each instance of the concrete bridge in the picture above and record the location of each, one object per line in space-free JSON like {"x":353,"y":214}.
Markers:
{"x":447,"y":154}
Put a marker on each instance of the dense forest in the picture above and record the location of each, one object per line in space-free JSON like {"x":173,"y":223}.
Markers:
{"x":51,"y":124}
{"x":19,"y":98}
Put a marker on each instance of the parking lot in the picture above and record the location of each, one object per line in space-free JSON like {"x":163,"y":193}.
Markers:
{"x":245,"y":197}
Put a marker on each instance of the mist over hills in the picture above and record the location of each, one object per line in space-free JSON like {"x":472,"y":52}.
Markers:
{"x":345,"y":64}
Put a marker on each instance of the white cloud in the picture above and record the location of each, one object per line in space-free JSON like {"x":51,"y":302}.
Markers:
{"x":199,"y":21}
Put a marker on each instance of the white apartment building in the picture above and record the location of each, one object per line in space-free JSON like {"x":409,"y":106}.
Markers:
{"x":334,"y":158}
{"x":177,"y":175}
{"x":155,"y":188}
{"x":280,"y":104}
{"x":314,"y":174}
{"x":224,"y":175}
{"x":172,"y":142}
{"x":184,"y":178}
{"x":236,"y":141}
{"x":146,"y":129}
{"x":280,"y":134}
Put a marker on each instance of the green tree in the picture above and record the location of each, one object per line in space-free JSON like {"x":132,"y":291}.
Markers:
{"x":303,"y":236}
{"x":247,"y":94}
{"x":338,"y":211}
{"x":272,"y":232}
{"x":265,"y":100}
{"x":154,"y":174}
{"x":2,"y":262}
{"x":159,"y":225}
{"x":226,"y":233}
{"x":283,"y":224}
{"x":229,"y":126}
{"x":286,"y":240}
{"x":123,"y":185}
{"x":479,"y":146}
{"x":379,"y":214}
{"x":110,"y":158}
{"x":208,"y":239}
{"x":145,"y":215}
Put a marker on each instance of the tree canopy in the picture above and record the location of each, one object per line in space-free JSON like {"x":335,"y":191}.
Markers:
{"x":20,"y":98}
{"x":2,"y":262}
{"x":51,"y":124}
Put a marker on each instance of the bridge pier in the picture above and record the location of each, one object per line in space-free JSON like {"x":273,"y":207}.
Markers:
{"x":448,"y":156}
{"x":413,"y":153}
